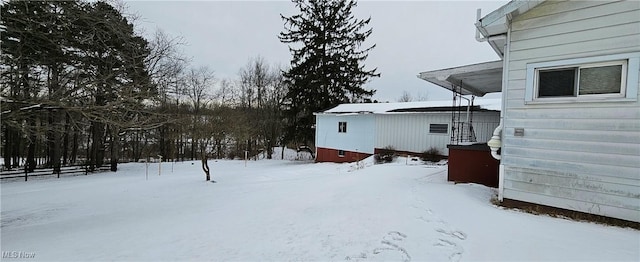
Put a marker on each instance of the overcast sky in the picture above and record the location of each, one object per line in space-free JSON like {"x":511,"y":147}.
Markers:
{"x":411,"y":37}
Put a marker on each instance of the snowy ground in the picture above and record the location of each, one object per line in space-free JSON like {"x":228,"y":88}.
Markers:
{"x":280,"y":210}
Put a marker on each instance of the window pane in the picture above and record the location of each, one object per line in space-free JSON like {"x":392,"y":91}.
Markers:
{"x":556,"y":82}
{"x":600,"y":80}
{"x":438,"y":128}
{"x":342,"y":127}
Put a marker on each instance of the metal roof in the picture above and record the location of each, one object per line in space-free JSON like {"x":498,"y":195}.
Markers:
{"x":405,"y":107}
{"x":477,"y":79}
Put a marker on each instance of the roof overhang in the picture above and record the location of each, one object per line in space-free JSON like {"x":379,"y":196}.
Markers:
{"x":477,"y":79}
{"x":494,"y":26}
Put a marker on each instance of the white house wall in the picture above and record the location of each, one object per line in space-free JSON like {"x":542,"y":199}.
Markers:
{"x":358,"y":138}
{"x":582,"y":156}
{"x":410,"y":131}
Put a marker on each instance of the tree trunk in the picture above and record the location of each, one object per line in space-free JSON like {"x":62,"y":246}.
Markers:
{"x":205,"y":167}
{"x":74,"y":148}
{"x":194,"y":144}
{"x":218,"y":149}
{"x":8,"y":139}
{"x":249,"y":147}
{"x":31,"y":150}
{"x":115,"y":149}
{"x":16,"y":151}
{"x":65,"y":140}
{"x":282,"y":153}
{"x":136,"y":147}
{"x":31,"y":156}
{"x":53,"y":141}
{"x":54,"y":130}
{"x":269,"y":149}
{"x":89,"y":153}
{"x":97,"y":151}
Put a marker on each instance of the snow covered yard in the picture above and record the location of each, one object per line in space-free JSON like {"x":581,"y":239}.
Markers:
{"x":275,"y":210}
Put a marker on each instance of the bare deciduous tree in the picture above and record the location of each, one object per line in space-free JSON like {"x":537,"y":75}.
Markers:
{"x":405,"y":97}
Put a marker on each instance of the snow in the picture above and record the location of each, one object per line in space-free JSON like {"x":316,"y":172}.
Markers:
{"x":282,"y":210}
{"x":381,"y":108}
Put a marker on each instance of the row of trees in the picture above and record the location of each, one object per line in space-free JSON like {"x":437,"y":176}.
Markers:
{"x":80,"y":86}
{"x":69,"y":69}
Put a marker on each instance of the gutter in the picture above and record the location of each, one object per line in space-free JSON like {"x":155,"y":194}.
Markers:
{"x":481,"y":33}
{"x":508,"y":10}
{"x":502,"y":15}
{"x":483,"y":36}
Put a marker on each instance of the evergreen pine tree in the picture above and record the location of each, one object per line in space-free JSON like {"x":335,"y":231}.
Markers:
{"x":327,"y":67}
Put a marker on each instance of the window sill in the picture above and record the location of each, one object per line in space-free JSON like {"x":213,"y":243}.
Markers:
{"x":579,"y":100}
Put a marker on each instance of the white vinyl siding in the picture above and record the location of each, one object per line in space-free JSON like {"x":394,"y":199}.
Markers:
{"x":358,"y":136}
{"x":578,"y":155}
{"x":410,"y":132}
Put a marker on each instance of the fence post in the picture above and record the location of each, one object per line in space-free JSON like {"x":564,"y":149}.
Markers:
{"x":26,"y":173}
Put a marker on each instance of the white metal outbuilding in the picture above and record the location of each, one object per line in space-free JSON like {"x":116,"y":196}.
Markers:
{"x":350,"y":132}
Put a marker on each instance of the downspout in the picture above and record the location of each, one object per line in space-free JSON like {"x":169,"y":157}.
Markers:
{"x":479,"y":36}
{"x":495,"y":143}
{"x":496,"y":140}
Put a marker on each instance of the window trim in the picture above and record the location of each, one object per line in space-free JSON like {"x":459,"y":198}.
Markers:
{"x":629,"y":80}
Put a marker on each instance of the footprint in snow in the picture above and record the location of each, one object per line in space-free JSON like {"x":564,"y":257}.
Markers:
{"x":395,"y":235}
{"x":457,"y":234}
{"x":390,"y":243}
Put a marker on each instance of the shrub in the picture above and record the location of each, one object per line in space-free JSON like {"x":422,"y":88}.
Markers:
{"x":231,"y":155}
{"x":385,"y":155}
{"x":431,"y":155}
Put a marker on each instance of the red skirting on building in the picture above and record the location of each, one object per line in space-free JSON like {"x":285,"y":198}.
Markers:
{"x":338,"y":156}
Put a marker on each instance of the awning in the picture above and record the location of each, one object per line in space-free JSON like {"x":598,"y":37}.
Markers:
{"x":476,"y":79}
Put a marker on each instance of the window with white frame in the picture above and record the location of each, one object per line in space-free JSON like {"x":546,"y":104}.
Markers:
{"x":340,"y":153}
{"x":594,"y":78}
{"x":342,"y":127}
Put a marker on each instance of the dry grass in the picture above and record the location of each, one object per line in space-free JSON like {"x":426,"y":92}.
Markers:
{"x":563,"y":213}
